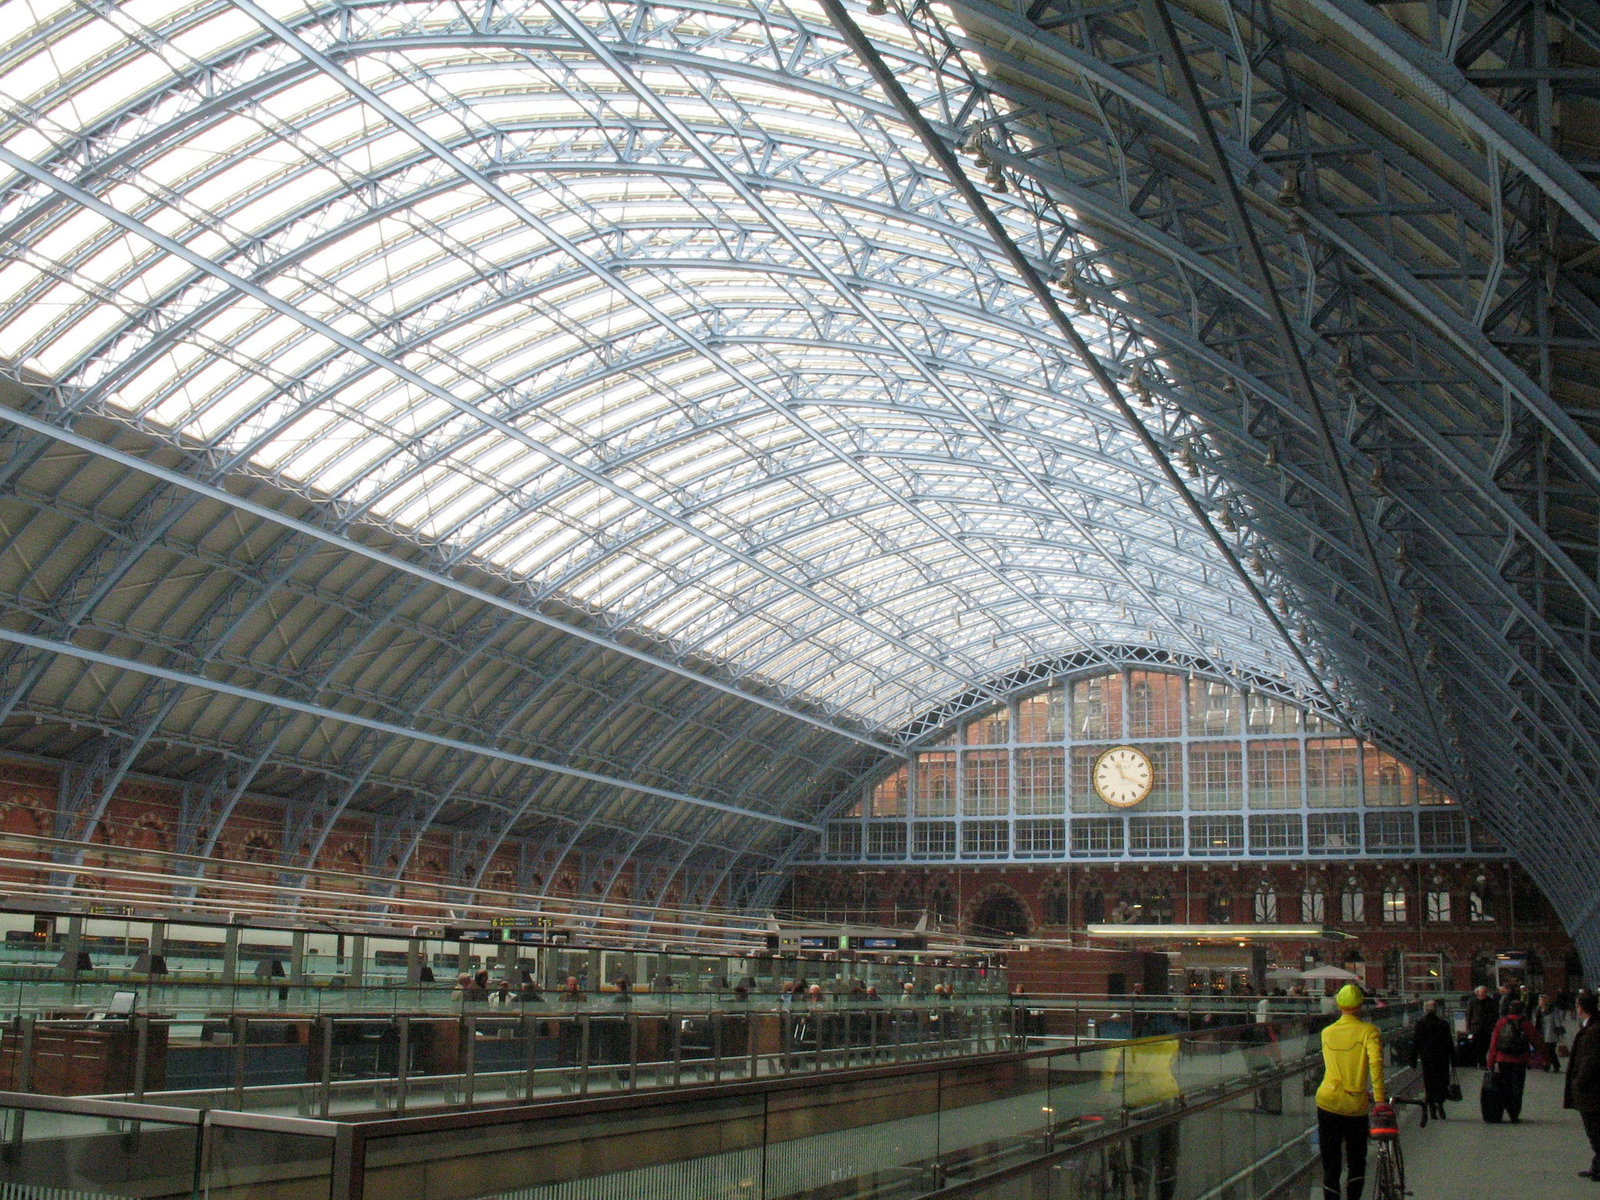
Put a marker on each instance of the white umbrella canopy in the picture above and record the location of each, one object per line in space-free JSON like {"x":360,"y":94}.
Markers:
{"x":1329,"y":973}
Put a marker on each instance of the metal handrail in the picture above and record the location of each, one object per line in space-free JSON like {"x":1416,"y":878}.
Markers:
{"x":348,"y":1140}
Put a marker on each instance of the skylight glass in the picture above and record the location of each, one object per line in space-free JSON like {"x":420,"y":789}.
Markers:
{"x":765,"y":392}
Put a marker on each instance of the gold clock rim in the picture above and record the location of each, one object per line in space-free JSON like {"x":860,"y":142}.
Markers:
{"x":1137,"y":800}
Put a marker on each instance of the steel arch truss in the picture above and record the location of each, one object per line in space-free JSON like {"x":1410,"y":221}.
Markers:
{"x":1430,"y":257}
{"x":546,"y":400}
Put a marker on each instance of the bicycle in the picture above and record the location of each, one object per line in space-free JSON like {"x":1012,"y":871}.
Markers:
{"x":1389,"y":1174}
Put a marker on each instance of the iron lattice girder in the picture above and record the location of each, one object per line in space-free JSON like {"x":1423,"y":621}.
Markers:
{"x":1567,"y":567}
{"x":386,"y":621}
{"x":326,"y":664}
{"x":1289,"y":501}
{"x":1572,"y":778}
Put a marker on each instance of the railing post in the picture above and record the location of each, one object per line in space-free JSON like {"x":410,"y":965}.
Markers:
{"x":530,"y":1041}
{"x":348,"y":1182}
{"x":469,"y":1057}
{"x":675,"y":1024}
{"x":141,"y":1053}
{"x":25,"y":1054}
{"x":402,"y":1064}
{"x":583,"y":1055}
{"x":716,"y":1046}
{"x":751,"y":1047}
{"x":325,"y":1074}
{"x":241,"y":1038}
{"x":633,"y":1051}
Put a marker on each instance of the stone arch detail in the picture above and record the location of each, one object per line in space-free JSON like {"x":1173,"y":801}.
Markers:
{"x":992,"y":906}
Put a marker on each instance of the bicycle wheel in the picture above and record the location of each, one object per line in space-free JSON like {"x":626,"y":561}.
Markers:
{"x":1390,"y":1182}
{"x":1399,"y":1169}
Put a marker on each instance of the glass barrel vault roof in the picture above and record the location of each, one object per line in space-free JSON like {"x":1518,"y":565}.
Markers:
{"x":659,"y":309}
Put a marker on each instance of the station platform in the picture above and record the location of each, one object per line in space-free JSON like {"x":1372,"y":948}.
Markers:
{"x":1464,"y":1156}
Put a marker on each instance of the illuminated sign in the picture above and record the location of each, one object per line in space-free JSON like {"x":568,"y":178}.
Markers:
{"x":529,"y":935}
{"x":473,"y":935}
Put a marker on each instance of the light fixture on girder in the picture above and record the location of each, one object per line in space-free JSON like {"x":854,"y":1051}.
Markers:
{"x":1290,"y":199}
{"x":1344,"y":371}
{"x":1289,"y":195}
{"x":1069,"y":283}
{"x":1141,"y":389}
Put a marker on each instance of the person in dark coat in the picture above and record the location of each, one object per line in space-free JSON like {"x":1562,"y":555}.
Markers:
{"x":1432,"y":1046}
{"x":1482,"y":1013}
{"x":1510,"y":1054}
{"x":1583,"y":1079}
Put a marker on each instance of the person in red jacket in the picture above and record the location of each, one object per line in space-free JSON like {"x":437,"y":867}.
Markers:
{"x":1513,"y":1045}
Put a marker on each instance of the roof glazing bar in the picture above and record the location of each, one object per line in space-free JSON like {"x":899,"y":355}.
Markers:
{"x":307,"y":529}
{"x":321,"y":713}
{"x":501,"y":197}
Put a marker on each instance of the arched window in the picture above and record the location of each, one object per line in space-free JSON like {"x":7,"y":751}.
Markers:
{"x":1219,"y":907}
{"x":1057,"y":906}
{"x":906,"y":905}
{"x":1438,"y":902}
{"x":1313,"y":903}
{"x":1481,"y":904}
{"x":1094,"y":907}
{"x":1394,"y":904}
{"x":1352,"y":903}
{"x":1266,"y":902}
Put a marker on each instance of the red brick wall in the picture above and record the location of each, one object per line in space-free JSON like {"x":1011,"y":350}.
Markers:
{"x":1192,"y":890}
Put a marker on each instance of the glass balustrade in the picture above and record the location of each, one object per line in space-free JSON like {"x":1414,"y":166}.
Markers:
{"x":1222,"y":1110}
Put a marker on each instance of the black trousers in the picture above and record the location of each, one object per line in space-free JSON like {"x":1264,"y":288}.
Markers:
{"x":1591,"y":1126}
{"x":1155,"y":1157}
{"x":1511,"y":1078}
{"x":1342,"y":1137}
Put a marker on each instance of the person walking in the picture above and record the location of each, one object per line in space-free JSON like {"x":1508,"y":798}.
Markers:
{"x":1483,"y":1011}
{"x":1512,"y":1047}
{"x":1352,"y":1063}
{"x":1137,"y":1076}
{"x":1547,"y":1018}
{"x":1432,"y":1048}
{"x":1582,"y":1090}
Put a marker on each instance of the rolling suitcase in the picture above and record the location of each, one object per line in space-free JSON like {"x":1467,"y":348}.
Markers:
{"x":1491,"y":1103}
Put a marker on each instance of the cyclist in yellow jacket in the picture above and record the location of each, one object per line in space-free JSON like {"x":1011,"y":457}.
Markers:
{"x":1141,"y":1072}
{"x":1352,"y":1062}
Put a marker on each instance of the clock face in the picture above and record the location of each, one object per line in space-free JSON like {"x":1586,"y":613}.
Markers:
{"x":1123,"y":776}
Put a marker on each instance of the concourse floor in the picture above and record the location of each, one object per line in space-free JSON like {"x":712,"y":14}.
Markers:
{"x":1463,"y":1156}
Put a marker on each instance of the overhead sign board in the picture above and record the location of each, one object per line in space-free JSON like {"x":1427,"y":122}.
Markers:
{"x":534,"y":935}
{"x":473,"y":935}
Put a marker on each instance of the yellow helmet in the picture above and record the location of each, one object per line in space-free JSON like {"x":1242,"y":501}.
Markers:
{"x":1350,"y":996}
